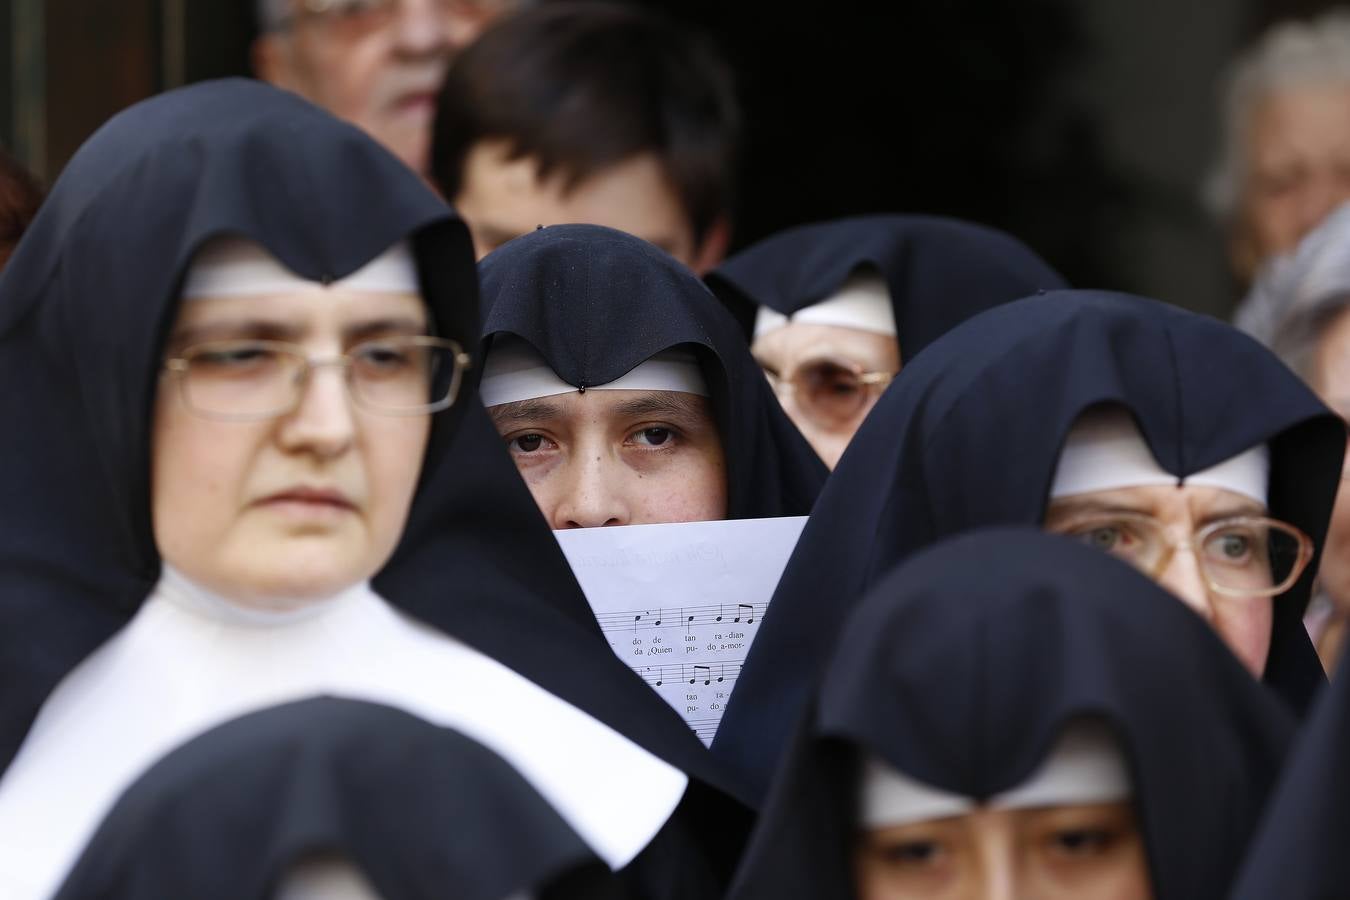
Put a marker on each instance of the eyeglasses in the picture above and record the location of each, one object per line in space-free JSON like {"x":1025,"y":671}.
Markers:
{"x":830,"y":393}
{"x":355,"y":17}
{"x":246,"y":380}
{"x":1242,"y":556}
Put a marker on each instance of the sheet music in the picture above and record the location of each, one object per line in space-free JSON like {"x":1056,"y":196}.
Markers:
{"x":681,"y":603}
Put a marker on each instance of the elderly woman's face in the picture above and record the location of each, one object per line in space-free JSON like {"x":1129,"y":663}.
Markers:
{"x":276,"y":510}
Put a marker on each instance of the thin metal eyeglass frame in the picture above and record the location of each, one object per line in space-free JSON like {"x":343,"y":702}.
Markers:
{"x":461,"y":361}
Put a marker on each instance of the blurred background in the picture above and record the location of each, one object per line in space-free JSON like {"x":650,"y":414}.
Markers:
{"x":1085,"y":127}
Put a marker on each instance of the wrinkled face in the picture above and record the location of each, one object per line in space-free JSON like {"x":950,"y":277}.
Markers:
{"x":612,"y":457}
{"x":1331,"y":380}
{"x":502,"y":198}
{"x":1103,"y":519}
{"x":1091,"y":852}
{"x":376,"y":63}
{"x":811,"y":368}
{"x":1298,"y":152}
{"x":299,"y":506}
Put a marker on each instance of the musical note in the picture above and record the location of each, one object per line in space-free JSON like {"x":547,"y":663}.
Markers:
{"x":752,"y":612}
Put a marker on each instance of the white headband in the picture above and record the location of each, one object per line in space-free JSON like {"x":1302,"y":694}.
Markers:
{"x":334,"y":879}
{"x":1105,"y":451}
{"x":863,"y":302}
{"x":238,"y":267}
{"x":515,"y":371}
{"x":1086,"y":766}
{"x":325,"y":879}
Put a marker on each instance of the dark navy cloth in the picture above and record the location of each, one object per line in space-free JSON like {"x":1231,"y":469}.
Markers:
{"x":940,"y":271}
{"x":969,"y":436}
{"x":961,"y":669}
{"x":417,"y":809}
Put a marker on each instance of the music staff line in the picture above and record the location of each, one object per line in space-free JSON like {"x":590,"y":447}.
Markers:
{"x":691,"y":673}
{"x":682,"y":616}
{"x":705,"y":729}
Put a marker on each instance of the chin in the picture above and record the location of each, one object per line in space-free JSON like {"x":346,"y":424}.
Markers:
{"x":293,"y":577}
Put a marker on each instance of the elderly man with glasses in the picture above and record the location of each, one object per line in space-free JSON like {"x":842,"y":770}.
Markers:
{"x":376,"y":63}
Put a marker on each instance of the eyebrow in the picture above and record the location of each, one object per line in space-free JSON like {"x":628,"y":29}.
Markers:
{"x":672,"y":404}
{"x":539,"y":409}
{"x":1081,"y":507}
{"x":268,"y":330}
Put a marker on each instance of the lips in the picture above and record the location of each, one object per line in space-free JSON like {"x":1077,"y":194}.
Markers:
{"x":315,"y":497}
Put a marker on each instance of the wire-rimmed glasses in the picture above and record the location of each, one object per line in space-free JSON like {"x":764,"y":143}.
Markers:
{"x":251,"y":380}
{"x":1240,"y":556}
{"x":830,"y":392}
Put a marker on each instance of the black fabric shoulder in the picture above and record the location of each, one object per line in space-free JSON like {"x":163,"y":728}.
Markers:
{"x":961,"y":669}
{"x":940,"y":271}
{"x":1299,"y":851}
{"x":596,"y":302}
{"x":968,"y":436}
{"x":412,"y":806}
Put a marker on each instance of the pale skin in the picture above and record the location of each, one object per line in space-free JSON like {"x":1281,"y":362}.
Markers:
{"x":1331,"y":380}
{"x":1298,"y":170}
{"x":1244,"y":623}
{"x":784,"y":350}
{"x":502,"y":198}
{"x":272,"y":514}
{"x":1087,"y":852}
{"x":384,"y":79}
{"x":611,"y":457}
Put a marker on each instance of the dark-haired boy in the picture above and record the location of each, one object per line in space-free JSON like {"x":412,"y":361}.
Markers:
{"x":595,"y":113}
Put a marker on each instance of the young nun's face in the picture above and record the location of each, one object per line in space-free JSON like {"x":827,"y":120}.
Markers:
{"x":1159,"y":529}
{"x":617,"y":457}
{"x":827,"y":377}
{"x":273,"y":511}
{"x":1083,"y":852}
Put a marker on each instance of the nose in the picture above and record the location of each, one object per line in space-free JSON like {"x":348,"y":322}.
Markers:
{"x":423,"y":28}
{"x":593,"y":495}
{"x":997,"y":872}
{"x":322,"y":424}
{"x":1184,"y":579}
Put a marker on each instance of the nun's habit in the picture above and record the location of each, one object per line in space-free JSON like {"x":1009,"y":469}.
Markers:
{"x":596,"y":304}
{"x":970,"y":435}
{"x":938,"y":272}
{"x":961,"y":670}
{"x":328,"y":798}
{"x":1299,"y":852}
{"x":476,"y":613}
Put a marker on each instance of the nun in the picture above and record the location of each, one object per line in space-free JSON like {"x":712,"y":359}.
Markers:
{"x":834,"y":309}
{"x":1011,"y":714}
{"x":1164,"y":437}
{"x":250,"y":467}
{"x":331,"y":799}
{"x":624,"y":392}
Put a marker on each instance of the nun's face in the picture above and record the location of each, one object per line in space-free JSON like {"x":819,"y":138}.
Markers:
{"x":610,"y":457}
{"x":827,"y":378}
{"x":1091,"y":852}
{"x":303,"y":504}
{"x":1158,"y":529}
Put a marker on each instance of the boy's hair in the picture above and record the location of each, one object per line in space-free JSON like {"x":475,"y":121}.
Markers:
{"x":582,"y":86}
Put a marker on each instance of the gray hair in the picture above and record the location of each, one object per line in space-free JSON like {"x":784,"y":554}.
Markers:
{"x":1292,"y":53}
{"x":1297,"y":295}
{"x":272,"y":14}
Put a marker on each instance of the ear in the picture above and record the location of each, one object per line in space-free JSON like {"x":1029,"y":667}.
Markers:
{"x":270,"y":54}
{"x":713,"y":249}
